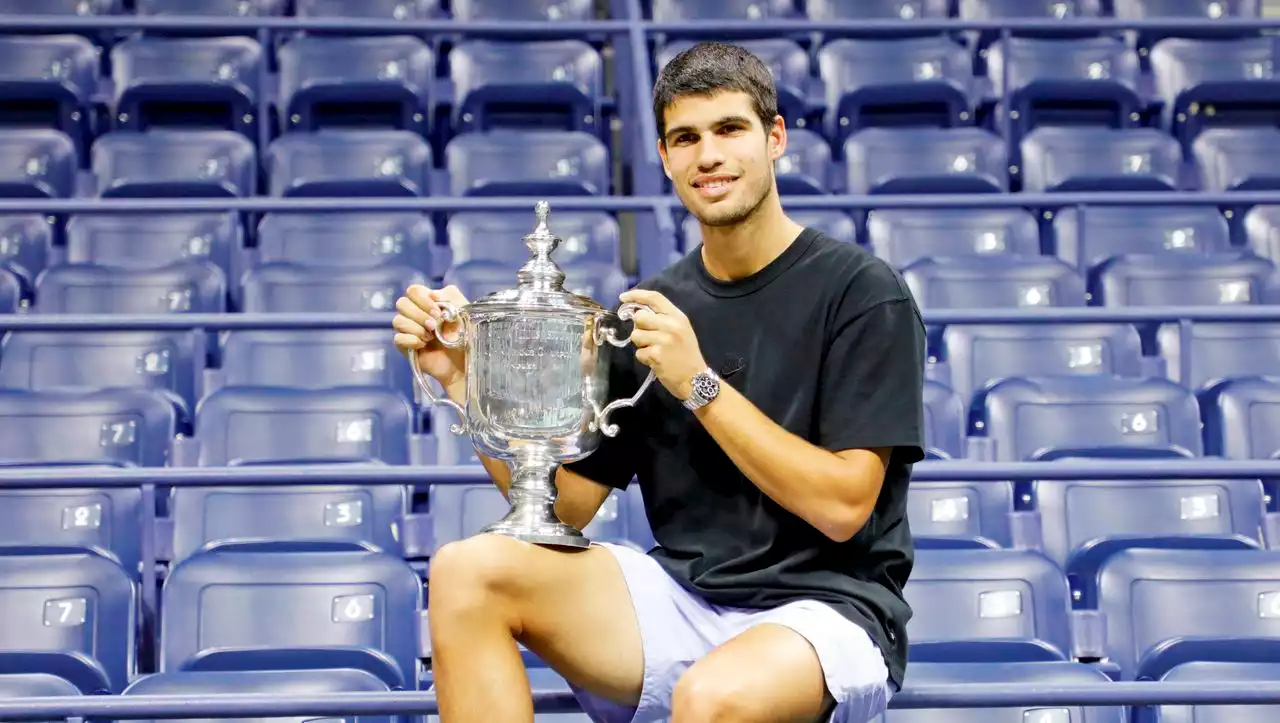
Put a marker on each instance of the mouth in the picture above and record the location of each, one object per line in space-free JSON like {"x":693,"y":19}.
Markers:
{"x":713,"y":186}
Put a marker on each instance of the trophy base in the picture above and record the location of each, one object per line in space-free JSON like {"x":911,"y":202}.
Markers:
{"x":551,"y":534}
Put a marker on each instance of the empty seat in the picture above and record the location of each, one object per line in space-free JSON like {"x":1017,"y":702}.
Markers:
{"x":507,"y":162}
{"x":1230,"y":76}
{"x":37,"y":163}
{"x":1216,"y":351}
{"x":568,"y":10}
{"x":383,"y":81}
{"x":1167,"y":607}
{"x":895,"y":82}
{"x":525,"y":84}
{"x":186,"y":82}
{"x":926,"y":160}
{"x":347,"y":240}
{"x":26,"y":242}
{"x":960,"y":514}
{"x":979,"y":354}
{"x":979,"y":40}
{"x":1242,"y":419}
{"x":69,"y":613}
{"x":1087,"y":239}
{"x":154,"y":239}
{"x":10,"y":292}
{"x":944,"y":418}
{"x":381,"y":9}
{"x":313,"y":359}
{"x":987,"y":606}
{"x":276,"y":425}
{"x":1237,"y":159}
{"x":106,"y":521}
{"x":61,"y":7}
{"x":349,"y":163}
{"x":1097,"y":415}
{"x":672,"y":10}
{"x":293,"y":288}
{"x":974,"y":282}
{"x":836,"y":224}
{"x":202,"y":8}
{"x":1063,"y":158}
{"x":787,"y":61}
{"x":48,"y":80}
{"x":182,"y":287}
{"x":120,"y":427}
{"x":283,"y":683}
{"x":805,"y":168}
{"x":1208,"y":674}
{"x":1142,"y":39}
{"x":174,"y":163}
{"x":904,"y":236}
{"x":1182,"y":280}
{"x":499,"y":236}
{"x":877,"y":10}
{"x":1262,"y":231}
{"x":315,"y":605}
{"x":599,"y":281}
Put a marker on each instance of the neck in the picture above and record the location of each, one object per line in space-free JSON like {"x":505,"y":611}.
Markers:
{"x":736,"y":252}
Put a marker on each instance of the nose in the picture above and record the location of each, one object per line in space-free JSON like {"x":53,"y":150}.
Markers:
{"x":710,"y":155}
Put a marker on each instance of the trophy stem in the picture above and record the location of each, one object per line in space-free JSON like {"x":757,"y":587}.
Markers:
{"x":532,"y":495}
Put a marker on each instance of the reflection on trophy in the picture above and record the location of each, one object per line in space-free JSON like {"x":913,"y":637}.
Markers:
{"x":536,"y":384}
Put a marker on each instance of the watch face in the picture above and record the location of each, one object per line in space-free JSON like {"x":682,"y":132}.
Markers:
{"x":705,"y":386}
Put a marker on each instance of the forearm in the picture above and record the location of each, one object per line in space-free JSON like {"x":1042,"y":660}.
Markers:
{"x":831,"y":492}
{"x":497,"y":469}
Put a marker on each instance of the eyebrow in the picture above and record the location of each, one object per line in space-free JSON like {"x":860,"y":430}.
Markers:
{"x":725,"y":120}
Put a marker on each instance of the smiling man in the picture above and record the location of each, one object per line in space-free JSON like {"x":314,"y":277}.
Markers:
{"x":774,"y":463}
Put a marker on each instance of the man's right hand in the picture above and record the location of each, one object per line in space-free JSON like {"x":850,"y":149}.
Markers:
{"x":418,"y":322}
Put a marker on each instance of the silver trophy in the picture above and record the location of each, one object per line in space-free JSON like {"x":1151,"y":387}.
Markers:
{"x":536,"y":384}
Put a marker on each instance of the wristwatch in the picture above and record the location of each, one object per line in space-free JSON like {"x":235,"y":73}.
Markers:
{"x":704,"y":389}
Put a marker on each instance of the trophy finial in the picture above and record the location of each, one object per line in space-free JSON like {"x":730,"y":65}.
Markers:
{"x":540,"y":271}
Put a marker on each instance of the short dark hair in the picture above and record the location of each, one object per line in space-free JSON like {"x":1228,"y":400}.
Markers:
{"x":713,"y":67}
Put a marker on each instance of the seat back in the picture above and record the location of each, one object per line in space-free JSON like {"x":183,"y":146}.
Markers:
{"x":37,"y":163}
{"x":1183,"y":280}
{"x":150,"y":240}
{"x":926,"y":160}
{"x":314,"y":359}
{"x":993,"y":281}
{"x":378,"y":81}
{"x":1086,"y":240}
{"x":347,"y":240}
{"x":174,"y":163}
{"x":186,"y":82}
{"x":182,"y":287}
{"x":106,"y":521}
{"x":960,"y":514}
{"x":525,"y":84}
{"x":494,"y":236}
{"x":1209,"y":674}
{"x":119,"y":427}
{"x":1236,"y":159}
{"x":1242,"y":419}
{"x":1219,"y":351}
{"x":293,"y":288}
{"x":569,"y":10}
{"x":1066,"y":158}
{"x":504,"y":162}
{"x":901,"y":237}
{"x":349,"y":163}
{"x":26,"y":243}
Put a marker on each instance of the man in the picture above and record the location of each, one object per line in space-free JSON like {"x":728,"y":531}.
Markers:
{"x":774,"y":462}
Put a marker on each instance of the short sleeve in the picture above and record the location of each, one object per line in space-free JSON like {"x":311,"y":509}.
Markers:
{"x":613,"y":463}
{"x":871,"y":391}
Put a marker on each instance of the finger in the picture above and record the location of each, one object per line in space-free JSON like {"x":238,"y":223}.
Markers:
{"x":405,"y":325}
{"x":450,"y":293}
{"x":642,"y":338}
{"x":651,"y":299}
{"x":645,"y":319}
{"x":421,"y":296}
{"x":645,"y":356}
{"x":409,"y":341}
{"x":412,"y":311}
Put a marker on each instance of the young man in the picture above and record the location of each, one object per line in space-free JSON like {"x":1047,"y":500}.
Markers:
{"x":774,"y":462}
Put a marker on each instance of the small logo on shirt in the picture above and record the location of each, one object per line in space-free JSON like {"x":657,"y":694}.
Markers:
{"x":732,"y":364}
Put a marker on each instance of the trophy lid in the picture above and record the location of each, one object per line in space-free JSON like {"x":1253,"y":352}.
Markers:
{"x":540,"y":282}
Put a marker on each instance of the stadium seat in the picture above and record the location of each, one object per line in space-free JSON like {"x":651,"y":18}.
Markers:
{"x":174,"y":163}
{"x":203,"y":8}
{"x":149,"y":240}
{"x":903,"y":236}
{"x":37,"y":163}
{"x":277,"y":425}
{"x":316,"y":605}
{"x":1055,"y":417}
{"x":1242,"y":419}
{"x":988,"y":606}
{"x":1210,"y":674}
{"x":295,"y":683}
{"x":105,"y":521}
{"x":61,"y":7}
{"x":551,"y":10}
{"x":26,"y":244}
{"x":878,"y":10}
{"x":181,"y":287}
{"x":313,"y":359}
{"x":1237,"y":159}
{"x":10,"y":292}
{"x":1063,"y":158}
{"x":499,"y":236}
{"x":991,"y":281}
{"x":926,"y":160}
{"x":1163,"y":608}
{"x":186,"y":82}
{"x":1089,"y":238}
{"x":50,"y":81}
{"x":673,"y":10}
{"x":1142,"y":40}
{"x":786,"y":59}
{"x":836,"y":224}
{"x":980,"y":40}
{"x":71,"y":614}
{"x":1216,"y":352}
{"x":293,"y":288}
{"x":117,"y":427}
{"x":953,"y":515}
{"x":1261,"y":227}
{"x":347,"y":240}
{"x":538,"y":84}
{"x":978,"y":355}
{"x":806,"y":166}
{"x":1184,"y":280}
{"x":507,"y":162}
{"x":349,"y":163}
{"x":381,"y":81}
{"x":945,"y":423}
{"x":381,"y":9}
{"x":1207,"y":83}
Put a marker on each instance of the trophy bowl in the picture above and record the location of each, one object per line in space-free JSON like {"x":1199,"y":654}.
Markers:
{"x":536,"y":384}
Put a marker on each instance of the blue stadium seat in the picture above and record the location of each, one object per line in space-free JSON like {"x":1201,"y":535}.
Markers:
{"x":904,"y":236}
{"x":1064,"y":158}
{"x":538,"y":84}
{"x":600,"y":281}
{"x":1100,"y":233}
{"x":174,"y":163}
{"x":1261,"y":229}
{"x":988,"y":606}
{"x":1233,"y":76}
{"x":979,"y":40}
{"x":26,"y":243}
{"x":551,"y":10}
{"x":1242,"y":419}
{"x":61,"y":7}
{"x":960,"y":514}
{"x":1219,"y":351}
{"x":498,"y":236}
{"x":1142,"y":40}
{"x":294,"y":288}
{"x":1163,"y":608}
{"x":69,"y":613}
{"x":992,"y":281}
{"x":275,"y":425}
{"x":786,"y":59}
{"x":1058,"y":417}
{"x":836,"y":224}
{"x":169,"y":363}
{"x":315,"y":605}
{"x":1237,"y":159}
{"x":806,"y":166}
{"x":35,"y":685}
{"x":1042,"y":674}
{"x":878,"y":10}
{"x":926,"y":160}
{"x":381,"y":9}
{"x":200,"y":8}
{"x":979,"y":354}
{"x":152,"y":239}
{"x":507,"y":162}
{"x":50,"y":80}
{"x":37,"y":163}
{"x":347,"y":240}
{"x":1208,"y":674}
{"x":1184,"y":280}
{"x":284,"y":683}
{"x":945,"y":423}
{"x":349,"y":163}
{"x":187,"y":286}
{"x":313,"y":359}
{"x":1084,"y":522}
{"x":382,"y":81}
{"x":672,"y":10}
{"x":106,"y":521}
{"x":118,"y":427}
{"x":186,"y":82}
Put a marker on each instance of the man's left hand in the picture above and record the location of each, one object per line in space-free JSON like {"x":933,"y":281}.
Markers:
{"x":665,"y":342}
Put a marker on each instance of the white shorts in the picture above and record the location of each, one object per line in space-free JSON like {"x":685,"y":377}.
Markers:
{"x":677,"y":628}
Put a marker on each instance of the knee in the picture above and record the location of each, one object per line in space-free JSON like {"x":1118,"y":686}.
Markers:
{"x":470,"y":576}
{"x":704,"y":697}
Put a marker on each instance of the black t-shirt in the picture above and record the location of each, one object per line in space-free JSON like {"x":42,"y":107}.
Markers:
{"x":827,"y":342}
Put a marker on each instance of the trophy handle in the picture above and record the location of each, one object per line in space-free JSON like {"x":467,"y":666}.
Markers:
{"x":450,"y":313}
{"x":601,"y":422}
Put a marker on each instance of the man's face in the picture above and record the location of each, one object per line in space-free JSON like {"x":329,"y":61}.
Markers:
{"x":718,"y":157}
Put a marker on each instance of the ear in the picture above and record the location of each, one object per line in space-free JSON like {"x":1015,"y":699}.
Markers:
{"x":777,"y":138}
{"x":662,"y":153}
